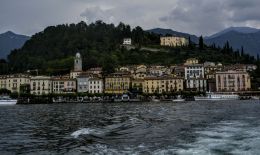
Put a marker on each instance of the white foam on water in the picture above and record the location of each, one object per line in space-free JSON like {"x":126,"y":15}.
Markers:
{"x":235,"y":137}
{"x":84,"y":131}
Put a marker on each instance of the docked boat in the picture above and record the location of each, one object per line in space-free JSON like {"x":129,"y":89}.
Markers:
{"x":178,"y":99}
{"x":6,"y":100}
{"x":216,"y":97}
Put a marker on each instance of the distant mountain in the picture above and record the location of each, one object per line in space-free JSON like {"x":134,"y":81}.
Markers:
{"x":10,"y":41}
{"x":174,"y":33}
{"x":237,"y":37}
{"x":244,"y":30}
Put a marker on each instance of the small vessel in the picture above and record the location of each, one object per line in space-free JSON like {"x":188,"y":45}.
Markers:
{"x":178,"y":99}
{"x":216,"y":97}
{"x":125,"y":98}
{"x":6,"y":100}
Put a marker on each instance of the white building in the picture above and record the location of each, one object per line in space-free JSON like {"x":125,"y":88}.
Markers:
{"x":195,"y":77}
{"x":83,"y":83}
{"x":194,"y":71}
{"x":196,"y":84}
{"x":127,"y":41}
{"x":41,"y":85}
{"x":95,"y":85}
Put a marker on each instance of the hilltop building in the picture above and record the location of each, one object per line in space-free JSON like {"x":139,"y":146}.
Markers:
{"x":127,"y":41}
{"x":174,"y":41}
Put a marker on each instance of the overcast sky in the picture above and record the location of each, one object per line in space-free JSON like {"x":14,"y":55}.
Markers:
{"x":192,"y":16}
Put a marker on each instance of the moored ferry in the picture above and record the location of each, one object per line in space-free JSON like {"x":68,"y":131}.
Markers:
{"x":217,"y":96}
{"x":6,"y":100}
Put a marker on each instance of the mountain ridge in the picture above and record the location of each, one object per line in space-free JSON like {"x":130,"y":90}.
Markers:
{"x":10,"y":41}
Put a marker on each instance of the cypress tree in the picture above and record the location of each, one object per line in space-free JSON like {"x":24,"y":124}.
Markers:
{"x":242,"y":51}
{"x":201,"y":43}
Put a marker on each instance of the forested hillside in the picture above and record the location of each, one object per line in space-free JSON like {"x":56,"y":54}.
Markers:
{"x":52,"y":50}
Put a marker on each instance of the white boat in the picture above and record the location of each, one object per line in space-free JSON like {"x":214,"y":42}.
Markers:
{"x":125,"y":98}
{"x":6,"y":100}
{"x":216,"y":97}
{"x":178,"y":99}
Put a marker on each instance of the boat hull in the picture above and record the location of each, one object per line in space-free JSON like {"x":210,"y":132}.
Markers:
{"x":8,"y":102}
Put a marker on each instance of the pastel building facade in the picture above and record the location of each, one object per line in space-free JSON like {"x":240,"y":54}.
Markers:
{"x":232,"y":81}
{"x":162,"y":85}
{"x":174,"y":41}
{"x":15,"y":81}
{"x":117,"y":83}
{"x":41,"y":85}
{"x":63,"y":85}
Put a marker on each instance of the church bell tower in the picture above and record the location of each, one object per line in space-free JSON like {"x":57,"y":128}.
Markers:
{"x":78,"y":63}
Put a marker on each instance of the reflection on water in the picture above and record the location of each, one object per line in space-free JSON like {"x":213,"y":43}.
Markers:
{"x":148,"y":128}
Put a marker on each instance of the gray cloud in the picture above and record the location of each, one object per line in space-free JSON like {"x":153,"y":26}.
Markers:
{"x":206,"y":17}
{"x":192,"y":16}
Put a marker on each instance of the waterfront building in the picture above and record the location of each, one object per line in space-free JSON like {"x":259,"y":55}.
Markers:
{"x":15,"y":81}
{"x":3,"y":82}
{"x":95,"y":85}
{"x":127,"y":41}
{"x":137,"y":85}
{"x":232,"y":81}
{"x":77,"y":66}
{"x":83,"y":83}
{"x":161,"y":85}
{"x":117,"y":83}
{"x":196,"y":84}
{"x":195,"y":77}
{"x":40,"y":85}
{"x":62,"y":85}
{"x":174,"y":41}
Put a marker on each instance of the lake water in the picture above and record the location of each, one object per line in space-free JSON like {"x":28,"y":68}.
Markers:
{"x":226,"y":127}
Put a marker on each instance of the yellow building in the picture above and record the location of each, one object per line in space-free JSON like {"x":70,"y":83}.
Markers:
{"x":15,"y":81}
{"x":191,"y":61}
{"x":117,"y":83}
{"x":232,"y":81}
{"x":162,"y":85}
{"x":2,"y":82}
{"x":174,"y":41}
{"x":137,"y":85}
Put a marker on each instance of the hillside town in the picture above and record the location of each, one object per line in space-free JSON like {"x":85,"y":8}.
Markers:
{"x":192,"y":75}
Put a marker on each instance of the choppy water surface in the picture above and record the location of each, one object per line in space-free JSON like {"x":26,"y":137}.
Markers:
{"x":231,"y":127}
